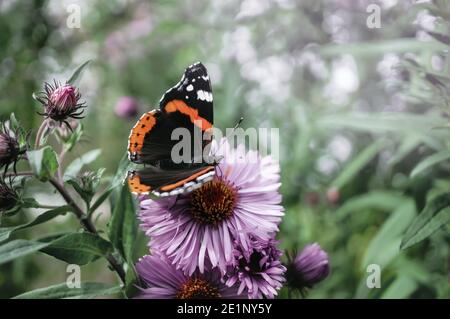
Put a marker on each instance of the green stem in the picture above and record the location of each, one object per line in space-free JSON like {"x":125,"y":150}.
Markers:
{"x":47,"y":206}
{"x":60,"y":160}
{"x":82,"y":217}
{"x":39,"y":133}
{"x":87,"y":224}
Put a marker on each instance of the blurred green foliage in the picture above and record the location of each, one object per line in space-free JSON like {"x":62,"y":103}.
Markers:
{"x":358,"y":109}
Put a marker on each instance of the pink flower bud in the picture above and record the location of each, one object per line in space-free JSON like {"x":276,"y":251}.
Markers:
{"x":61,"y":102}
{"x":64,"y":98}
{"x":126,"y":107}
{"x":333,"y":195}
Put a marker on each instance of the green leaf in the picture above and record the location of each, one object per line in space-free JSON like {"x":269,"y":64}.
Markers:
{"x":5,"y":232}
{"x":357,"y":164}
{"x":13,"y":123}
{"x":403,"y":123}
{"x":124,"y":166}
{"x":30,"y":203}
{"x":131,"y":280}
{"x":76,"y":74}
{"x":75,"y":167}
{"x":78,"y":248}
{"x":87,"y":290}
{"x":122,"y":228}
{"x":43,"y":162}
{"x":73,"y":138}
{"x":386,"y":243}
{"x":440,"y":37}
{"x":100,"y":200}
{"x":402,"y":287}
{"x":435,"y":214}
{"x":374,"y":48}
{"x":19,"y":248}
{"x":79,"y":189}
{"x":429,"y":162}
{"x":375,"y":200}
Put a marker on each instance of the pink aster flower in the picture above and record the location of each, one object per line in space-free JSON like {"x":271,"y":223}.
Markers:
{"x":257,"y":270}
{"x":164,"y":281}
{"x":204,"y":224}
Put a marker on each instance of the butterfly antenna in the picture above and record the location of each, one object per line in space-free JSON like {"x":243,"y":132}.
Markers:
{"x":229,"y":134}
{"x":233,"y":130}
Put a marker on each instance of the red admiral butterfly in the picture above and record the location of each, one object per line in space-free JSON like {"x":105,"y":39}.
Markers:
{"x":189,"y":104}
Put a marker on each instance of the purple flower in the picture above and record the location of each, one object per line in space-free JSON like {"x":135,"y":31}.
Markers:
{"x":308,"y":268}
{"x":257,"y":270}
{"x":167,"y":282}
{"x":242,"y":198}
{"x":126,"y":107}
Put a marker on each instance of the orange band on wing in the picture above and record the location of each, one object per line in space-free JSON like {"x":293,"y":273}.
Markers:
{"x":184,"y":181}
{"x":142,"y":127}
{"x":135,"y":186}
{"x":180,"y":106}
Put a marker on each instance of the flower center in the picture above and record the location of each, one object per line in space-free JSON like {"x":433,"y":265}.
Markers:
{"x":198,"y":289}
{"x":213,"y":202}
{"x":253,"y":265}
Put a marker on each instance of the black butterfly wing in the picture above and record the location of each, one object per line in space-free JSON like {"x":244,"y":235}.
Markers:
{"x":189,"y":106}
{"x":194,"y":93}
{"x":162,"y":182}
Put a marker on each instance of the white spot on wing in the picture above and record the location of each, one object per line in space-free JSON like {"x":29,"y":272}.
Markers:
{"x":204,"y":96}
{"x":190,"y":87}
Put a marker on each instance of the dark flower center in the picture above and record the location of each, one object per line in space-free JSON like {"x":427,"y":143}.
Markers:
{"x":213,"y":202}
{"x":198,"y":289}
{"x":8,"y":198}
{"x":253,"y":265}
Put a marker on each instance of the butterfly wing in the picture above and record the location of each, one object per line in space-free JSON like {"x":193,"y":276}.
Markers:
{"x":191,"y":96}
{"x":163,"y":182}
{"x":187,"y":105}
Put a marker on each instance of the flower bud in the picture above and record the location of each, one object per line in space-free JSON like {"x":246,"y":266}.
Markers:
{"x":8,"y":197}
{"x":61,"y":102}
{"x":64,"y":98}
{"x":308,"y":268}
{"x":333,"y":195}
{"x":9,"y":149}
{"x":126,"y":107}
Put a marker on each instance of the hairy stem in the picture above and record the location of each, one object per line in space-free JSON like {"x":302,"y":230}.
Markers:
{"x":60,"y":160}
{"x":82,"y":217}
{"x":39,"y":133}
{"x":87,"y":224}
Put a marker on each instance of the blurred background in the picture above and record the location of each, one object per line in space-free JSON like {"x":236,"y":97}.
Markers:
{"x":358,"y":106}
